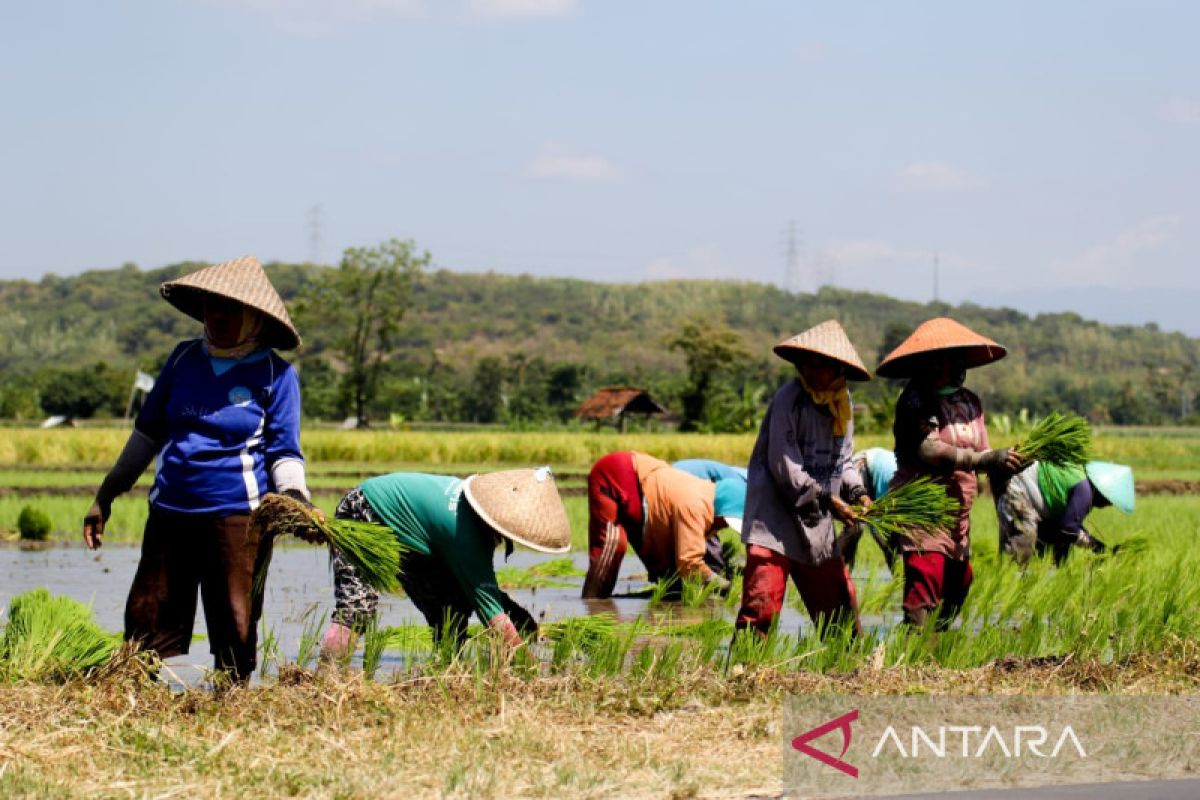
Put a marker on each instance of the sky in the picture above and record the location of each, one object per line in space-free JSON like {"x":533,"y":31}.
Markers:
{"x":1043,"y":155}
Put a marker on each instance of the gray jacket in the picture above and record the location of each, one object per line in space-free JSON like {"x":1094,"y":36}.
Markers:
{"x":796,"y":466}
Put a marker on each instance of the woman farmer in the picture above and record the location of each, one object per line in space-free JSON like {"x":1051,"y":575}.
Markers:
{"x":722,"y":557}
{"x":450,"y":528}
{"x":224,"y":420}
{"x":798,"y":470}
{"x":1044,"y":505}
{"x":939,"y":432}
{"x":667,"y":515}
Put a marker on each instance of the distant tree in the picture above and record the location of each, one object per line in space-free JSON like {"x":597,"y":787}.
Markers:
{"x":80,"y":393}
{"x":358,"y":308}
{"x":485,"y":399}
{"x":711,"y":351}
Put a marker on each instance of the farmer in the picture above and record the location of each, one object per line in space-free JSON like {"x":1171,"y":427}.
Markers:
{"x":449,"y":528}
{"x":667,"y":515}
{"x":1044,"y":506}
{"x":723,"y":557}
{"x":224,"y":420}
{"x":940,"y":432}
{"x":798,"y":468}
{"x":875,"y":467}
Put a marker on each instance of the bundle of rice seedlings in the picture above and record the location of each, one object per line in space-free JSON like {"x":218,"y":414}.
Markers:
{"x":585,"y":632}
{"x":915,"y":506}
{"x":52,"y":639}
{"x":372,"y":549}
{"x":1061,"y":439}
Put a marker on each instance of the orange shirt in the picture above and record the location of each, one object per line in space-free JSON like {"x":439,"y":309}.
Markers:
{"x":679,"y":517}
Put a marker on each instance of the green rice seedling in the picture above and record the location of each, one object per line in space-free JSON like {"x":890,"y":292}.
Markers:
{"x":374,"y":642}
{"x":1062,"y":439}
{"x":373,"y":549}
{"x":535,"y":578}
{"x":268,"y":649}
{"x":33,"y":524}
{"x":918,"y":505}
{"x":52,"y":638}
{"x":310,"y":637}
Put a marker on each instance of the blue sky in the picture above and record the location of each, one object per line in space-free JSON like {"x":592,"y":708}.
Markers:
{"x":1033,"y":146}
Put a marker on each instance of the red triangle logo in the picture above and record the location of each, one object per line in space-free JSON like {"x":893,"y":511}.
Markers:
{"x":841,"y":723}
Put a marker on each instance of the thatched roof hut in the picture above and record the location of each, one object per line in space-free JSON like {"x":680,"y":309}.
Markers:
{"x":613,"y":403}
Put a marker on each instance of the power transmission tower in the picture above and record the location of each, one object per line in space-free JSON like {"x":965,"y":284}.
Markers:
{"x":314,"y":234}
{"x":791,"y":274}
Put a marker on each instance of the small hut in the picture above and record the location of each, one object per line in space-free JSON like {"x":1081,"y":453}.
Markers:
{"x":613,"y":403}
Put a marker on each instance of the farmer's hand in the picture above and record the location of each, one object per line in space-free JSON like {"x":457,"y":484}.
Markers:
{"x":93,"y":525}
{"x":864,"y":501}
{"x":1002,"y":458}
{"x":502,"y":625}
{"x":338,"y":641}
{"x":308,"y":534}
{"x":720,"y":582}
{"x":843,"y":511}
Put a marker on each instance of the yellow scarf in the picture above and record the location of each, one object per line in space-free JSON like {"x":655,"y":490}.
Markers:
{"x":252,"y":325}
{"x":837,"y":399}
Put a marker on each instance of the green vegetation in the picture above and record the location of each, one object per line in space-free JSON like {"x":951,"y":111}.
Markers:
{"x":51,"y":639}
{"x":1060,"y":439}
{"x":372,"y":549}
{"x":917,"y":505}
{"x":33,"y":524}
{"x":524,"y":352}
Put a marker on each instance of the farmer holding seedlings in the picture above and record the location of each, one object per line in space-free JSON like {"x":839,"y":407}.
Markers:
{"x":1044,"y":506}
{"x":224,"y":420}
{"x":667,"y":515}
{"x":799,"y":469}
{"x":875,"y":467}
{"x":940,"y":433}
{"x":449,"y":528}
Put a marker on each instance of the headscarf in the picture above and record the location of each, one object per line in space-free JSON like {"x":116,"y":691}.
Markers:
{"x":836,"y":398}
{"x":247,"y":343}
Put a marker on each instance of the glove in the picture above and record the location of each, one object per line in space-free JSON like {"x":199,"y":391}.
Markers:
{"x":309,"y":534}
{"x":337,"y":642}
{"x":1086,"y":540}
{"x":1002,"y":458}
{"x":93,"y":523}
{"x":722,"y":584}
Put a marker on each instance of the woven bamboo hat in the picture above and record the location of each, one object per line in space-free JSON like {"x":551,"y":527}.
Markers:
{"x":944,"y":336}
{"x":522,"y":505}
{"x":829,"y":340}
{"x":243,"y":280}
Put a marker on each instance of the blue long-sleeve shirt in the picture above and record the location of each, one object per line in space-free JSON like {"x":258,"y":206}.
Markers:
{"x":220,"y":434}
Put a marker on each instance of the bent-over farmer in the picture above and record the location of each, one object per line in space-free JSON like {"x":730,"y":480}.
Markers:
{"x":798,"y":468}
{"x":450,"y":528}
{"x":725,"y":557}
{"x":1044,"y":506}
{"x":667,"y":515}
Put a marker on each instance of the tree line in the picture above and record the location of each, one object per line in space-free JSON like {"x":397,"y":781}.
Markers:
{"x":391,"y":340}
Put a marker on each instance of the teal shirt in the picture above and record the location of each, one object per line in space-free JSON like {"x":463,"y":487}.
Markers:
{"x":429,"y":515}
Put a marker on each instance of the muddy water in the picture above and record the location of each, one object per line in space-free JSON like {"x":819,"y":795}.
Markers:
{"x":300,"y":594}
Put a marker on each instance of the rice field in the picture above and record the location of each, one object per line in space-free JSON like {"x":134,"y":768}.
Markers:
{"x":701,"y":706}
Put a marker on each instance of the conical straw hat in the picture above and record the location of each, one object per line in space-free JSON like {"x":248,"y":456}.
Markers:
{"x":829,"y":340}
{"x":940,"y":335}
{"x":1114,"y":481}
{"x":522,"y":505}
{"x":243,"y":280}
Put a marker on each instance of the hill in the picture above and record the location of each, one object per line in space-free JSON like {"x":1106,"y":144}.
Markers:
{"x":490,"y":347}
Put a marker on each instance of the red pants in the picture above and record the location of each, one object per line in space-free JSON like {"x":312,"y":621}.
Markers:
{"x":614,"y":520}
{"x":827,"y":591}
{"x":931,"y":580}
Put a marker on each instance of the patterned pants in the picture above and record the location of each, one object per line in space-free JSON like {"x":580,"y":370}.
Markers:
{"x":432,"y":588}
